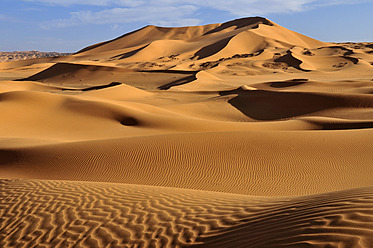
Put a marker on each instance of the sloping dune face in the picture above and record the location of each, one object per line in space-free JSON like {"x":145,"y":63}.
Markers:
{"x":239,"y":134}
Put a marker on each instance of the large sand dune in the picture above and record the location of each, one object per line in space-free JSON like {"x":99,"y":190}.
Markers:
{"x":240,"y":134}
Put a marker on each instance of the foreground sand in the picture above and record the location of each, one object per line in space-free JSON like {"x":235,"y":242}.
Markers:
{"x":86,"y":214}
{"x":226,"y":135}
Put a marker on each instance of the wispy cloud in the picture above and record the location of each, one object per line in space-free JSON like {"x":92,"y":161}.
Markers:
{"x":256,"y":7}
{"x":160,"y":15}
{"x":130,"y":3}
{"x":318,"y":4}
{"x":181,"y":12}
{"x":264,"y":7}
{"x":9,"y":19}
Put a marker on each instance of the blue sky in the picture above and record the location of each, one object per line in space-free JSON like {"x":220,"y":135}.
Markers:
{"x":69,"y":25}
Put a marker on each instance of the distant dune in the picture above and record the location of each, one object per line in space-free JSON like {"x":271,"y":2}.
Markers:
{"x":237,"y":134}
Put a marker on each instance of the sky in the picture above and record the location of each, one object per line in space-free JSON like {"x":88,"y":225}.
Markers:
{"x":69,"y":25}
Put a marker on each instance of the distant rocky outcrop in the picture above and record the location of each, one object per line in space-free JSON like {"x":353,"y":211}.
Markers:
{"x":21,"y":55}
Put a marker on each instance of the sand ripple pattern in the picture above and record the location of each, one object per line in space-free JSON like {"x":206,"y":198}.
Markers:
{"x":37,"y":213}
{"x":252,"y":163}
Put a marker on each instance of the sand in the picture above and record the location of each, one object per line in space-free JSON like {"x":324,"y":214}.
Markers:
{"x":240,"y":134}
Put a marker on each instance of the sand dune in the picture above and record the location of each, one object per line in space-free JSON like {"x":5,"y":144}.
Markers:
{"x":254,"y":163}
{"x":239,"y":134}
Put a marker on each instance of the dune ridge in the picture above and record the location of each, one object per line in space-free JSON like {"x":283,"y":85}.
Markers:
{"x":236,"y":134}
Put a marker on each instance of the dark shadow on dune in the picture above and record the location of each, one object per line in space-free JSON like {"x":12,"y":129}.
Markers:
{"x":129,"y":121}
{"x":178,"y":82}
{"x":272,"y":105}
{"x":181,"y":72}
{"x":181,"y":77}
{"x":288,"y":83}
{"x":112,"y":84}
{"x":346,"y":125}
{"x":65,"y":69}
{"x":128,"y":54}
{"x":99,"y":87}
{"x":290,"y":60}
{"x":8,"y":157}
{"x":212,"y":49}
{"x":252,"y":22}
{"x":353,"y":60}
{"x":54,"y":70}
{"x":347,"y":51}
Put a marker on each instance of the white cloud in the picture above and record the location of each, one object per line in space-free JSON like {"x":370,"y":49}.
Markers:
{"x":257,"y":7}
{"x":129,"y":3}
{"x":264,"y":7}
{"x":158,"y":15}
{"x":338,"y":2}
{"x":181,"y":12}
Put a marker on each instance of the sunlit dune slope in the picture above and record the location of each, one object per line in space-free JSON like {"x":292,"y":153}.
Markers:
{"x":254,"y":163}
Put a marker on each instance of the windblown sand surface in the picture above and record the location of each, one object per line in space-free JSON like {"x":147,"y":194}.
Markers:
{"x":241,"y":134}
